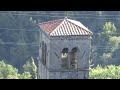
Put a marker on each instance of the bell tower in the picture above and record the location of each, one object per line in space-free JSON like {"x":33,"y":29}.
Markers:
{"x":64,"y":50}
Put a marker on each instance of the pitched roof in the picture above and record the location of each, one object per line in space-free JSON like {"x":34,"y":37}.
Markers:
{"x":64,"y":27}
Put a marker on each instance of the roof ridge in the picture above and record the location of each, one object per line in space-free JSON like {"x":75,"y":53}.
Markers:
{"x":58,"y":26}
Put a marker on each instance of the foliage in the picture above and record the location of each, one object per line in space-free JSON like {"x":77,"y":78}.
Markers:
{"x":9,"y":72}
{"x":14,"y":42}
{"x":21,"y":49}
{"x":25,"y":75}
{"x":108,"y":29}
{"x":31,"y":67}
{"x":108,"y":72}
{"x":108,"y":43}
{"x":114,"y":42}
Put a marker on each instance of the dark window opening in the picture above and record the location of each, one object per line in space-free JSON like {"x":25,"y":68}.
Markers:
{"x":73,"y":58}
{"x":45,"y":48}
{"x":44,"y":51}
{"x":64,"y":58}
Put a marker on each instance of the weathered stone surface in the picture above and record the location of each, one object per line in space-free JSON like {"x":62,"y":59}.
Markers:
{"x":55,"y":45}
{"x":51,"y":75}
{"x":64,"y":75}
{"x":80,"y":75}
{"x":73,"y":75}
{"x":57,"y":75}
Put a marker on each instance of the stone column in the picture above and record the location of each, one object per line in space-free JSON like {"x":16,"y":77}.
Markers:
{"x":69,"y":60}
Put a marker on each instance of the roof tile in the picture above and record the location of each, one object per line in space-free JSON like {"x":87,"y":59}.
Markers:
{"x":63,"y":27}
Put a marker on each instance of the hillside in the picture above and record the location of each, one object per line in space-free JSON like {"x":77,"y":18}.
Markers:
{"x":19,"y":34}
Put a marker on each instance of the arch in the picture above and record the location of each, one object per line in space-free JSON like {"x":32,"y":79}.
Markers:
{"x":73,"y":58}
{"x":64,"y":58}
{"x":44,"y":52}
{"x":45,"y":49}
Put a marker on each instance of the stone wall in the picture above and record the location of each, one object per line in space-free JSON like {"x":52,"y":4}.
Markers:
{"x":83,"y":45}
{"x":46,"y":40}
{"x":55,"y":45}
{"x":43,"y":72}
{"x":68,"y":75}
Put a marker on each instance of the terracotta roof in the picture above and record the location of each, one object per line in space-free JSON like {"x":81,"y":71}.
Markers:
{"x":63,"y":27}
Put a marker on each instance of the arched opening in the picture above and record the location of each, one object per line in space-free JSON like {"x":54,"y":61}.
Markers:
{"x":64,"y":58}
{"x":44,"y":51}
{"x":73,"y":58}
{"x":45,"y":48}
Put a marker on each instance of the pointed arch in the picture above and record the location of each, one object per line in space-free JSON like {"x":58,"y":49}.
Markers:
{"x":44,"y":52}
{"x":45,"y":49}
{"x":73,"y":57}
{"x":64,"y":58}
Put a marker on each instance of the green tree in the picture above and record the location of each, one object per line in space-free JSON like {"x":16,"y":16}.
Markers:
{"x":109,"y":29}
{"x":31,"y":67}
{"x":103,"y":51}
{"x":17,"y":54}
{"x":108,"y":72}
{"x":114,"y":42}
{"x":25,"y":75}
{"x":7,"y":71}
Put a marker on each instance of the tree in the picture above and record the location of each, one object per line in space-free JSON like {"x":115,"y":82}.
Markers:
{"x":108,"y":72}
{"x":114,"y":42}
{"x":31,"y":67}
{"x":11,"y":38}
{"x":108,"y":29}
{"x":25,"y":75}
{"x":103,"y":52}
{"x":7,"y":71}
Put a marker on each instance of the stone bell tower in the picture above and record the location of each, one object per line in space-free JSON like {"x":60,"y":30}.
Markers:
{"x":64,"y":50}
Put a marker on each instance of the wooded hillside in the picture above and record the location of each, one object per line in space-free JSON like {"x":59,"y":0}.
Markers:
{"x":19,"y":34}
